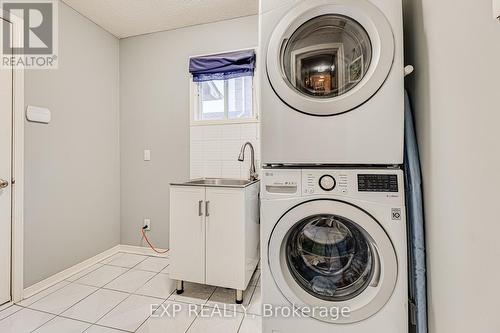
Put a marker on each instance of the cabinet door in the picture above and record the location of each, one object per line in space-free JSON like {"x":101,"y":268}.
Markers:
{"x":225,"y":258}
{"x":187,"y":234}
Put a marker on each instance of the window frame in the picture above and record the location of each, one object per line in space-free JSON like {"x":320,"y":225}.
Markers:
{"x":195,"y":105}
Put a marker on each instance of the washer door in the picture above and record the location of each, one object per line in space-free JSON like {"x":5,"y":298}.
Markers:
{"x":326,"y":59}
{"x":326,"y":254}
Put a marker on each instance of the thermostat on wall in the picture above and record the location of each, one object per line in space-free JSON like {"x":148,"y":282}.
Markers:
{"x":38,"y":115}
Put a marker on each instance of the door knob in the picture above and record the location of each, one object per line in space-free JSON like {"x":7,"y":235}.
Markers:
{"x":3,"y":183}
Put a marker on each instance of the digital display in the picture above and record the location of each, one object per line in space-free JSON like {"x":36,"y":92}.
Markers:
{"x":378,"y":183}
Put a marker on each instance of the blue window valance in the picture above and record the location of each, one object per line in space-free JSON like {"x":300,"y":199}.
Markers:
{"x":222,"y":66}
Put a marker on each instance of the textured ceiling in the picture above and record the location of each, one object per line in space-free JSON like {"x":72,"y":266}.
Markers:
{"x":125,"y":18}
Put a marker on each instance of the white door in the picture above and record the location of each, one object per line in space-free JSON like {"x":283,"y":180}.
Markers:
{"x":5,"y":180}
{"x":187,"y":233}
{"x":328,"y":253}
{"x":327,"y":58}
{"x":225,"y":224}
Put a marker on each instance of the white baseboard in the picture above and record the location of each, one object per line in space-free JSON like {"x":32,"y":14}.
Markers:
{"x":146,"y":251}
{"x":61,"y":276}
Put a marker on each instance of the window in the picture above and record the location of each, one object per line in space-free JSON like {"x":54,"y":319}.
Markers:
{"x":222,"y":87}
{"x":220,"y":100}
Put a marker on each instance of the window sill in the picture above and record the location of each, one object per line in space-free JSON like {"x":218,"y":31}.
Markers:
{"x":223,"y":122}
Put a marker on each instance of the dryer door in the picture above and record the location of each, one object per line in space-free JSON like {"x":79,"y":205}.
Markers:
{"x":326,"y":59}
{"x":329,"y":254}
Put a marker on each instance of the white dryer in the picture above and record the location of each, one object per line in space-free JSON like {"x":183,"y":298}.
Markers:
{"x":334,"y":255}
{"x":332,"y":89}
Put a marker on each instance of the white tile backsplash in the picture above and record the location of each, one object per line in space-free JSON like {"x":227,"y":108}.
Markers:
{"x":228,"y":149}
{"x":249,"y":131}
{"x":231,"y":169}
{"x":197,"y":171}
{"x":212,"y":133}
{"x":212,"y":150}
{"x":215,"y":150}
{"x":212,"y":169}
{"x":231,"y":132}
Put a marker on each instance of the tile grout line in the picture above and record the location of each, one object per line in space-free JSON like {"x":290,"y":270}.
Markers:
{"x":218,"y":304}
{"x":134,"y":292}
{"x":201,"y":305}
{"x":44,"y":322}
{"x":90,"y":323}
{"x":60,"y":314}
{"x":153,"y":311}
{"x":129,"y":294}
{"x":53,"y":318}
{"x":68,"y":283}
{"x":127,"y":269}
{"x":241,"y":324}
{"x":166,"y":300}
{"x":98,"y":288}
{"x":206,"y":303}
{"x":249,"y":303}
{"x":22,"y":307}
{"x":254,"y":287}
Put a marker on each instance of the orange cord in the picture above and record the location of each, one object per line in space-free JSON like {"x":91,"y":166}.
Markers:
{"x":151,"y":245}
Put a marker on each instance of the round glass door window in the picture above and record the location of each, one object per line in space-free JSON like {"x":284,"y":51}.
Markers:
{"x":326,"y":56}
{"x":330,"y":257}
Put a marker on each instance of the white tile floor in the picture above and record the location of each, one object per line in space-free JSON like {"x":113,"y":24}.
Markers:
{"x":121,"y":293}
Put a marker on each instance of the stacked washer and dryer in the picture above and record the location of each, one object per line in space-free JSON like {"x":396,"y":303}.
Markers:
{"x":333,"y":223}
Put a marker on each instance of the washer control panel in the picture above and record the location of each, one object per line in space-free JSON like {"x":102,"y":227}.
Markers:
{"x":324,"y":182}
{"x":377,"y":185}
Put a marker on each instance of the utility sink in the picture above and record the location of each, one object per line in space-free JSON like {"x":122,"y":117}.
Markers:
{"x":218,"y":182}
{"x":213,"y":222}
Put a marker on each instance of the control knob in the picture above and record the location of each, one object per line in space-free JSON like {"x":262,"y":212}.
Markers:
{"x":327,"y":183}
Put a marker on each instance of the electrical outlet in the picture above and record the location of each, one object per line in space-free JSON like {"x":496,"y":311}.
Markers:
{"x":147,"y":224}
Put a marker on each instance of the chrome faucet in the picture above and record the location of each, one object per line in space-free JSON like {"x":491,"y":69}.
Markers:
{"x":241,"y":158}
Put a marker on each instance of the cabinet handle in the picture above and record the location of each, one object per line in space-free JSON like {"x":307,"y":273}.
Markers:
{"x":206,"y":208}
{"x":200,"y":212}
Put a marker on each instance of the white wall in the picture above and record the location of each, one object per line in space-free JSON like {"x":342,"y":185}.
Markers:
{"x":455,"y":47}
{"x":72,"y":193}
{"x":154,"y":114}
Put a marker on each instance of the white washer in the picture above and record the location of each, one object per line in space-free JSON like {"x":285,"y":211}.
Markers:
{"x":332,"y":91}
{"x":334,"y":240}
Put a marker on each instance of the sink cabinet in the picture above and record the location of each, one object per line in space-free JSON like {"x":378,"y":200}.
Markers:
{"x":214,"y":234}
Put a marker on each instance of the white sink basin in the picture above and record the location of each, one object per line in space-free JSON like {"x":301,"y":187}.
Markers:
{"x":218,"y":182}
